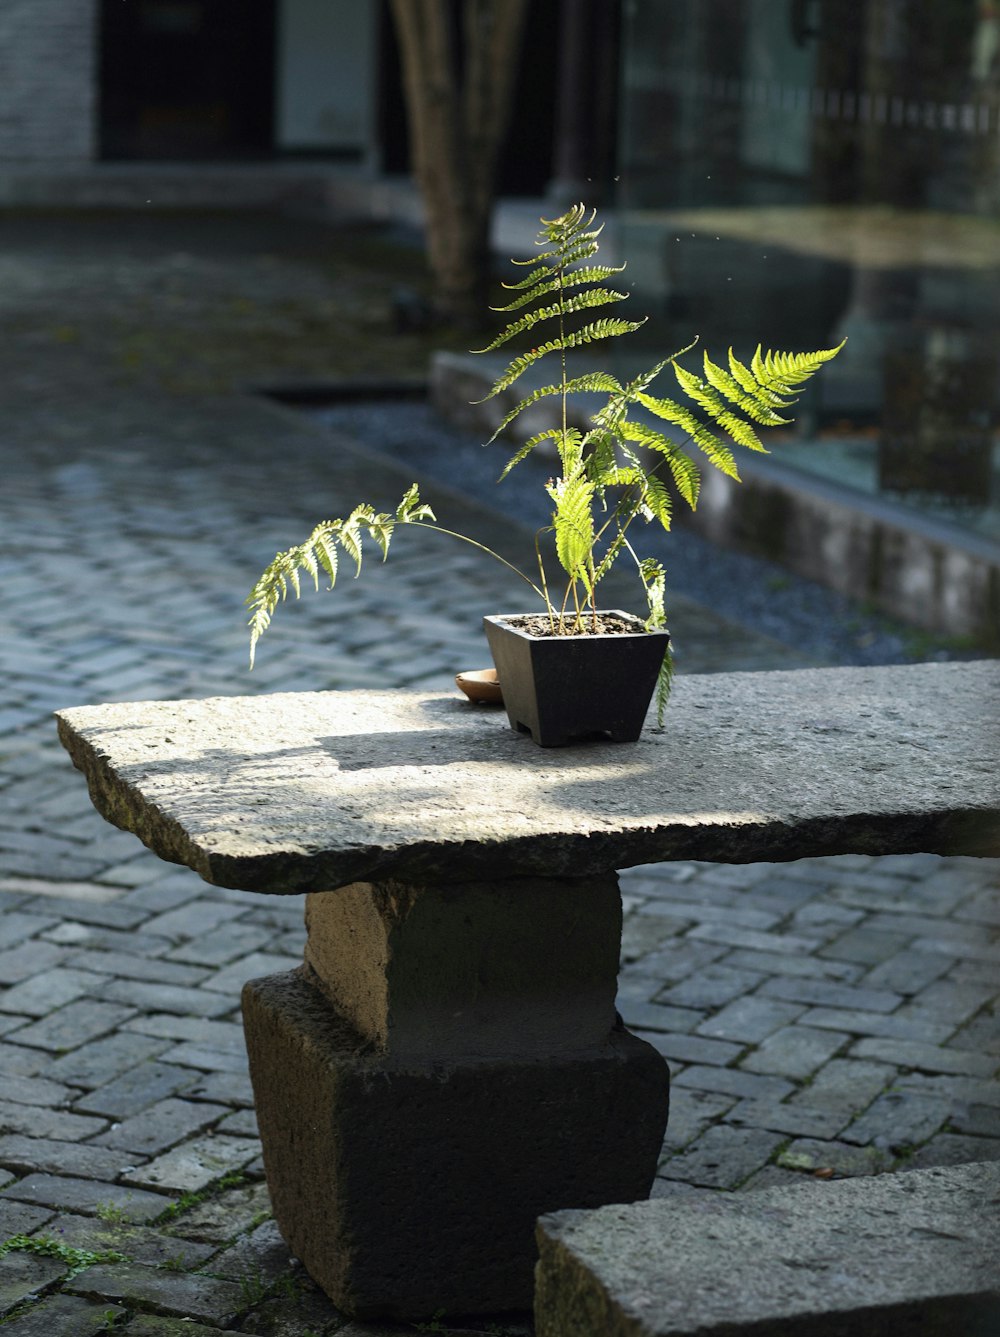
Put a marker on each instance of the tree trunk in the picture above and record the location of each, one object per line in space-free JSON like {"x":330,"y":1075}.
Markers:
{"x":459,"y":87}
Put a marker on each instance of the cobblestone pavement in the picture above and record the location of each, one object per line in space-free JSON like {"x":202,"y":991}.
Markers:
{"x":824,"y":1018}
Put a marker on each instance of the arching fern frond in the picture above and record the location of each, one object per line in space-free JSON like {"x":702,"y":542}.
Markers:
{"x":785,"y":372}
{"x":320,"y":551}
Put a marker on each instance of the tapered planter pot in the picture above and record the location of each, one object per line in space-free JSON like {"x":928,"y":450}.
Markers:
{"x":565,"y":689}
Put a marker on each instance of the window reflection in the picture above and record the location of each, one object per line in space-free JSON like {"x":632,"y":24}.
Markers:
{"x":798,"y":171}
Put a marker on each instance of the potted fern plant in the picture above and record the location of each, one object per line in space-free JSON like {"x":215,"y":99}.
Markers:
{"x":571,"y":669}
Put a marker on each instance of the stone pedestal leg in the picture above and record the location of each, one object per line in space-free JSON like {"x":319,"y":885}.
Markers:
{"x":443,"y":1069}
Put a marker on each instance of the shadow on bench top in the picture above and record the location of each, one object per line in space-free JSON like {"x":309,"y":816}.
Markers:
{"x":297,"y":792}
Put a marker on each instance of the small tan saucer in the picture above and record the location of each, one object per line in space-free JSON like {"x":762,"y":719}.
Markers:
{"x":480,"y":685}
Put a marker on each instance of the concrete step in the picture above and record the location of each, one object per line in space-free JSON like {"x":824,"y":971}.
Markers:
{"x":885,"y":1256}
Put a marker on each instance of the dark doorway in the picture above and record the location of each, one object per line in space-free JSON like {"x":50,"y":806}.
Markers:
{"x":187,"y":79}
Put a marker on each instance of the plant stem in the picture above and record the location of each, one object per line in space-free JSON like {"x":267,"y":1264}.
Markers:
{"x":440,"y":529}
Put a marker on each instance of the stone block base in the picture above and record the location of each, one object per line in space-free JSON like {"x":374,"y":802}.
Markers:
{"x":407,"y":1188}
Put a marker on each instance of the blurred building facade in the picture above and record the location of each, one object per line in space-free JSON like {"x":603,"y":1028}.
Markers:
{"x":788,"y":171}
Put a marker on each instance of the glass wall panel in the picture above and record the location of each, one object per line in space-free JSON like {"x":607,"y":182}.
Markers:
{"x":798,"y":171}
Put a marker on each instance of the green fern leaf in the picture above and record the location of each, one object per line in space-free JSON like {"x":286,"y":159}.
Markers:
{"x":718,"y":453}
{"x":682,"y":467}
{"x":551,"y":282}
{"x":573,"y":523}
{"x":592,"y":297}
{"x":599,"y":382}
{"x":598,"y":329}
{"x":749,"y":403}
{"x":785,"y":372}
{"x":326,"y":554}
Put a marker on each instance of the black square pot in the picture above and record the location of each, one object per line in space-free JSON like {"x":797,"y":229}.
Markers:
{"x":564,"y":689}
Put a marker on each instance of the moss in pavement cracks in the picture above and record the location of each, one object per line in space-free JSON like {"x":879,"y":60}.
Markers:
{"x":76,"y":1260}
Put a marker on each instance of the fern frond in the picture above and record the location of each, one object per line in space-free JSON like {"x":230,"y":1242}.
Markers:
{"x":597,"y":381}
{"x":749,"y":402}
{"x":592,"y":297}
{"x":657,"y":498}
{"x":550,"y":434}
{"x":715,"y":406}
{"x":549,"y":281}
{"x":717,"y":451}
{"x":598,"y":329}
{"x":682,"y":467}
{"x":785,"y":372}
{"x":320,"y":550}
{"x":749,"y":382}
{"x":573,"y":523}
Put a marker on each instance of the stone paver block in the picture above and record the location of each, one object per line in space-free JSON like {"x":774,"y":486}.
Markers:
{"x":712,"y":987}
{"x":179,"y":1293}
{"x":750,"y":1019}
{"x":845,"y":1086}
{"x":876,"y":1023}
{"x":87,"y":1195}
{"x":23,"y":1274}
{"x":734,"y":1082}
{"x":927,"y":1057}
{"x":231,"y":979}
{"x":815,"y":1154}
{"x":790,"y":1261}
{"x":826,"y":993}
{"x":65,"y":1316}
{"x":690,"y":1048}
{"x":136,"y":1089}
{"x":231,"y":1088}
{"x":140,"y":1244}
{"x":907,"y":972}
{"x":691,"y":1112}
{"x":220,"y":1218}
{"x":45,"y":992}
{"x":205,"y":1031}
{"x":781,"y":1117}
{"x":977,"y":1120}
{"x":263,"y":1255}
{"x":162,"y":1125}
{"x":485,"y":1144}
{"x":722,"y":1157}
{"x":166,"y":998}
{"x":20,"y":963}
{"x":39,"y":1121}
{"x":25,"y":1154}
{"x":206,"y":1059}
{"x":794,"y":1051}
{"x":195,"y":1164}
{"x":20,"y":1218}
{"x":953,"y":1149}
{"x":73,"y":1025}
{"x":101,"y":1061}
{"x":34,"y":1090}
{"x":129,"y":966}
{"x":898,"y":1119}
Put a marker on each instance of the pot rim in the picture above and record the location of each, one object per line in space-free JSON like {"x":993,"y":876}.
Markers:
{"x":502,"y":620}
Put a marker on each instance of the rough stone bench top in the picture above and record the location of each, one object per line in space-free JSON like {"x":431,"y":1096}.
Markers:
{"x":913,"y":1253}
{"x":311,"y":791}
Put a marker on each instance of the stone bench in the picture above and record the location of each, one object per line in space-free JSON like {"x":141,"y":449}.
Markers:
{"x":447,"y":1065}
{"x":911,"y":1253}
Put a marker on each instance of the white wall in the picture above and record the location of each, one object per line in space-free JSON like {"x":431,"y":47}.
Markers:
{"x":48,"y":96}
{"x":325,"y":75}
